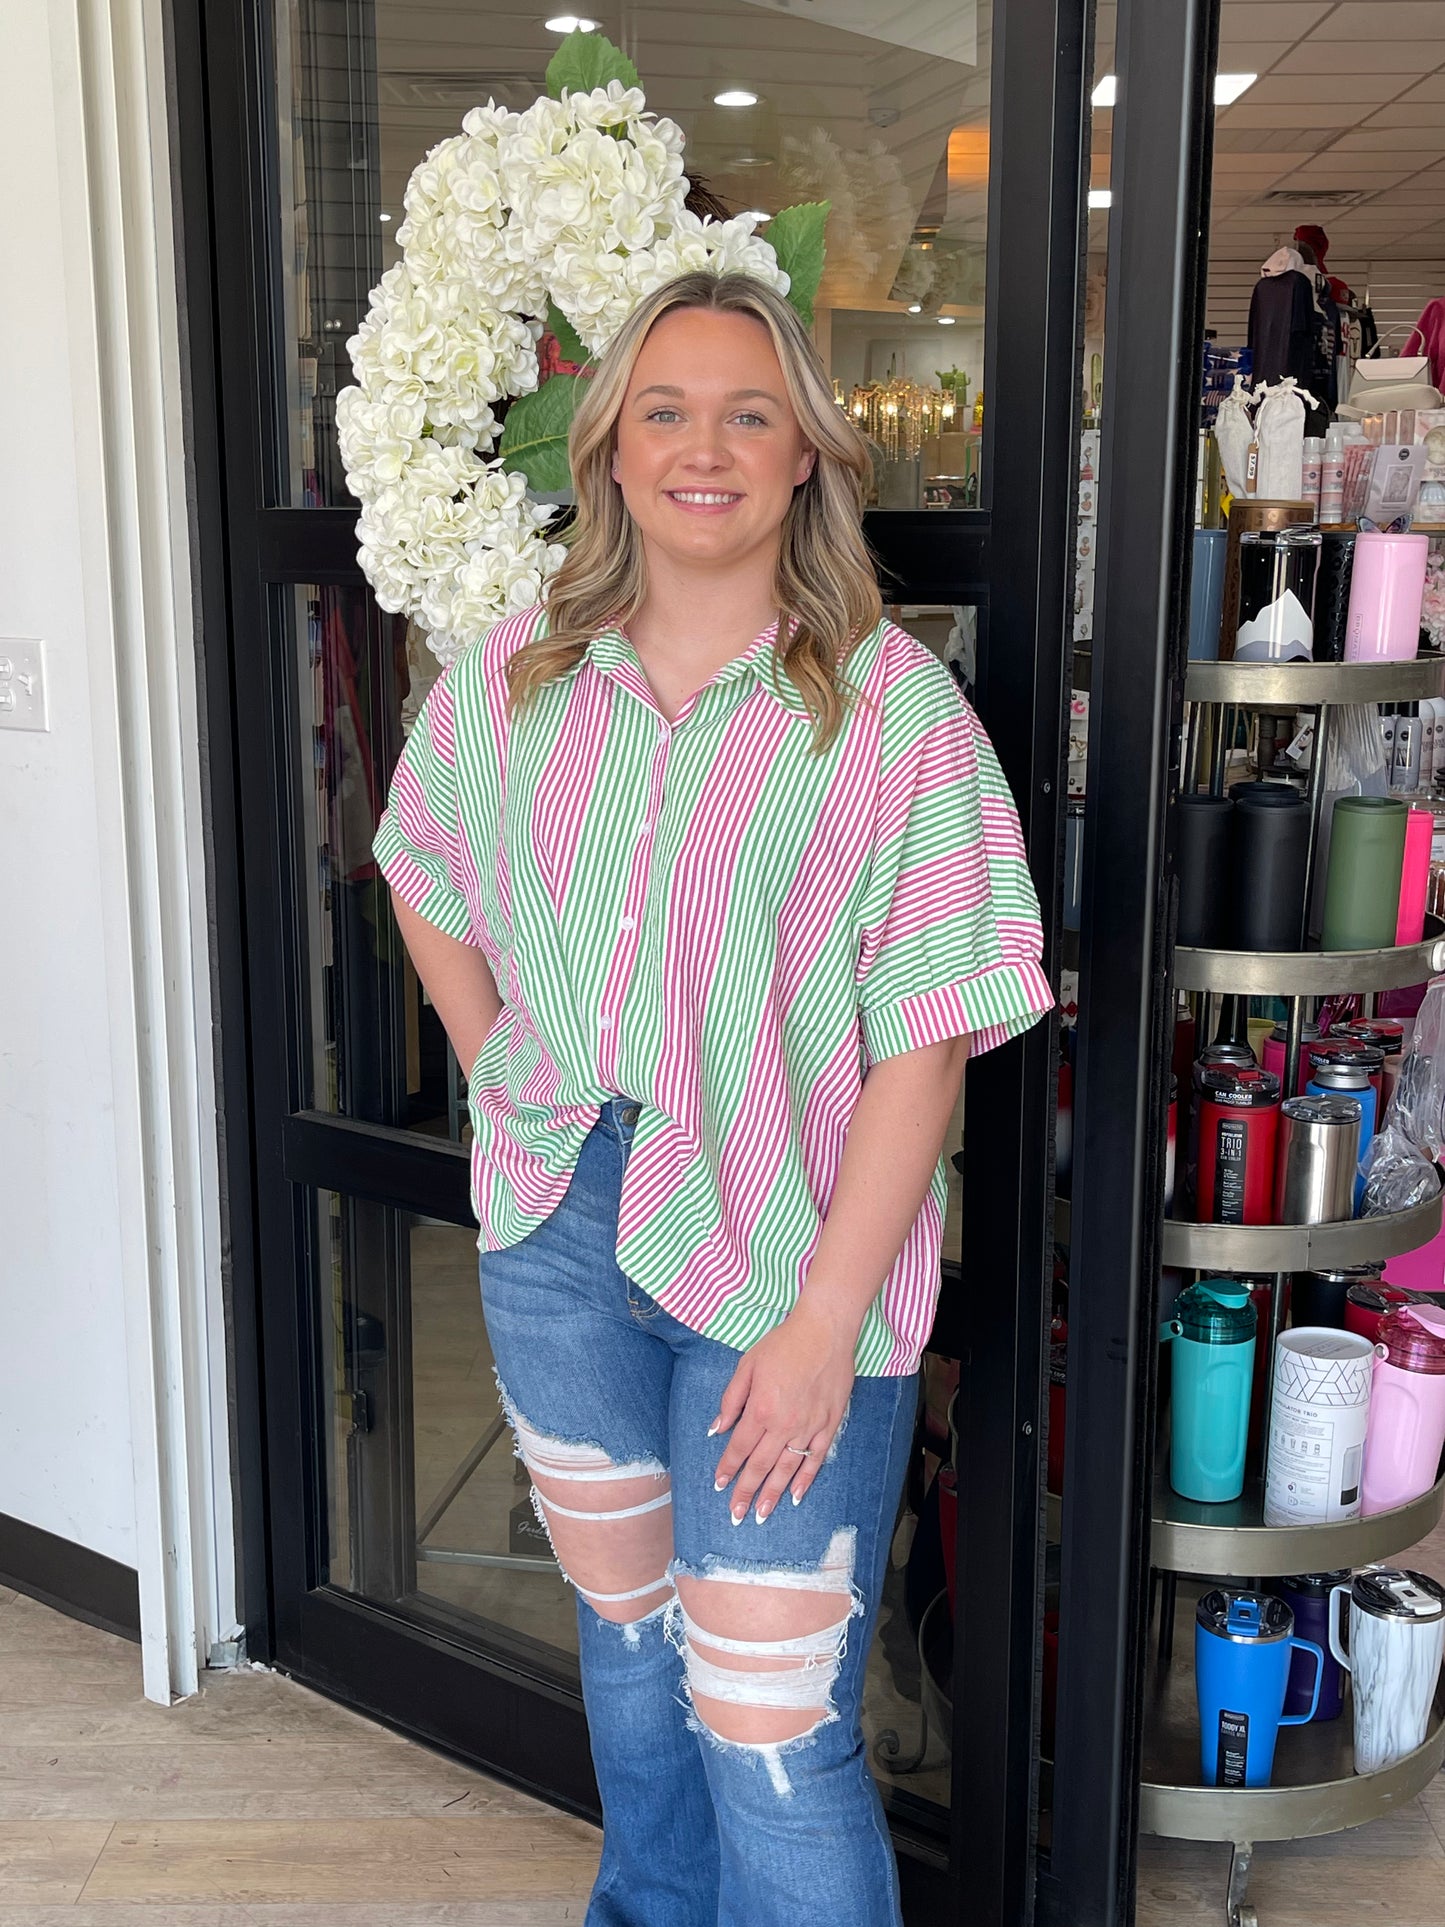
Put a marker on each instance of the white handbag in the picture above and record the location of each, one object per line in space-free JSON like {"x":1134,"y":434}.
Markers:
{"x":1381,"y":371}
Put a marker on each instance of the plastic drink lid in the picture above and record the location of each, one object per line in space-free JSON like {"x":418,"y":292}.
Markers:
{"x":1390,"y":1592}
{"x":1252,"y":1616}
{"x":1241,"y":1087}
{"x":1216,"y":1311}
{"x":1414,"y":1338}
{"x":1323,"y":1110}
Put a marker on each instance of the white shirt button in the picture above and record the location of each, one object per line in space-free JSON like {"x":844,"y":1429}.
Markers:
{"x":628,"y":922}
{"x":605,"y":1021}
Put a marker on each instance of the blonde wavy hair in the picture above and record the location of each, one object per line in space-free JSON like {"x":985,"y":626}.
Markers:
{"x":824,"y":586}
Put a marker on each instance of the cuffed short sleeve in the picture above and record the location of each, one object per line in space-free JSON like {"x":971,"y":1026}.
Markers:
{"x":418,"y":842}
{"x":951,"y":942}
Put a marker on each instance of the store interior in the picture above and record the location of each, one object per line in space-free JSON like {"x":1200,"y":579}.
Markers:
{"x":1328,"y":120}
{"x":1301,"y":1382}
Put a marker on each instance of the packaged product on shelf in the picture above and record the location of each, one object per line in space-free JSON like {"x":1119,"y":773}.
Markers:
{"x":1212,"y":1334}
{"x":1407,"y":1408}
{"x":1400,"y":1165}
{"x":1243,"y":1646}
{"x":1317,"y":1418}
{"x":1397,"y":1640}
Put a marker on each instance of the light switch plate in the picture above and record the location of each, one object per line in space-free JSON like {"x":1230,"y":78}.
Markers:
{"x":22,"y":684}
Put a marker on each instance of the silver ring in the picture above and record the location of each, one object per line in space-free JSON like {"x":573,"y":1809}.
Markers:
{"x":806,"y":1450}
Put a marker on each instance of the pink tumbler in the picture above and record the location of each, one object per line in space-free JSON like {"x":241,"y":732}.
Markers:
{"x":1407,"y":1409}
{"x":1387,"y":586}
{"x":1415,"y":876}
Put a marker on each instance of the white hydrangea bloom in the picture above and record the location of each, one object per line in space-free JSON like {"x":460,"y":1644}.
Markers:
{"x":579,"y":201}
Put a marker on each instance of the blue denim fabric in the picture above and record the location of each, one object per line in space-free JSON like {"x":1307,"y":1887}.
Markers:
{"x":698,"y":1831}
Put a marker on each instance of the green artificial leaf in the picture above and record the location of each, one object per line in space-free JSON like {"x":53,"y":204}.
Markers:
{"x":569,"y":342}
{"x":586,"y":61}
{"x":534,"y":435}
{"x":795,"y":235}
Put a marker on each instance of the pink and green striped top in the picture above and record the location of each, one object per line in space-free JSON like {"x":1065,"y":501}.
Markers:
{"x":707,"y":917}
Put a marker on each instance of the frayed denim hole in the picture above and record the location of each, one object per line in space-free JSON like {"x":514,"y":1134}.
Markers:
{"x":769,"y":1754}
{"x":832,"y":1451}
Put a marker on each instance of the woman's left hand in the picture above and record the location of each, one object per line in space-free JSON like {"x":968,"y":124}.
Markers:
{"x":790,"y":1388}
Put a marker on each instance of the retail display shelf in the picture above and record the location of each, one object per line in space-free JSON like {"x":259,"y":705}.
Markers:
{"x":1316,"y":1788}
{"x":1306,"y":683}
{"x":1230,"y":1540}
{"x":1231,"y":1248}
{"x":1311,"y":973}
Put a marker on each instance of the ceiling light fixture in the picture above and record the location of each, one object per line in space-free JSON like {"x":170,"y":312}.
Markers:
{"x":1101,"y":197}
{"x":735,"y":97}
{"x":945,"y":320}
{"x":569,"y":23}
{"x":1107,"y":91}
{"x":1228,"y":87}
{"x":915,"y":307}
{"x":757,"y":214}
{"x":383,"y":217}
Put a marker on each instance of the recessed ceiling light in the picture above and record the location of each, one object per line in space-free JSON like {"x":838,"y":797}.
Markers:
{"x":735,"y":97}
{"x":1228,"y":87}
{"x":1107,"y":91}
{"x":915,"y":307}
{"x":945,"y":320}
{"x":569,"y":23}
{"x":1101,"y":197}
{"x":757,"y":214}
{"x":383,"y":217}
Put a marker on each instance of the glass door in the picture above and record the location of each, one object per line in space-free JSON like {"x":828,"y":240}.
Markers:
{"x":400,"y":1566}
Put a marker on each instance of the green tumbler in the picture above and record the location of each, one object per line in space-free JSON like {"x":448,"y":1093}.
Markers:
{"x":1362,"y":884}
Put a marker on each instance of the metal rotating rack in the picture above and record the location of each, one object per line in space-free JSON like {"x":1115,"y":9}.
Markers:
{"x":1316,"y":1789}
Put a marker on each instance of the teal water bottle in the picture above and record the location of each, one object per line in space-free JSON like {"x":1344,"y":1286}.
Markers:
{"x":1212,"y":1330}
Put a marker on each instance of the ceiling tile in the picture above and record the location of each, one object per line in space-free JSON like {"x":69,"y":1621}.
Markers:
{"x":1348,"y":90}
{"x":1411,"y":113}
{"x":1382,"y":55}
{"x":1270,"y":19}
{"x":1401,"y":140}
{"x":1401,"y":20}
{"x":1298,"y":113}
{"x":1249,"y":56}
{"x":1431,"y":88}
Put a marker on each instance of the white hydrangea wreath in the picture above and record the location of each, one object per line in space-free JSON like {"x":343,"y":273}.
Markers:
{"x":558,"y":219}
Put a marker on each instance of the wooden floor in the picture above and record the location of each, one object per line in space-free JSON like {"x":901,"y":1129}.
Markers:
{"x":258,"y":1804}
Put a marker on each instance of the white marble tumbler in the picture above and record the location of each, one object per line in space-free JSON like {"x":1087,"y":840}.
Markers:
{"x":1397,"y":1639}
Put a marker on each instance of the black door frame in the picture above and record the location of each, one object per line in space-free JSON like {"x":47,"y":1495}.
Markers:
{"x":1014,"y":558}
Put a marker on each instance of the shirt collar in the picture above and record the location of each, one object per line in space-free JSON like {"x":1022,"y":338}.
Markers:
{"x":610,"y":651}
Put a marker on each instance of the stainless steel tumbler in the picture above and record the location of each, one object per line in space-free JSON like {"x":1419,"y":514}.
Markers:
{"x":1319,"y":1141}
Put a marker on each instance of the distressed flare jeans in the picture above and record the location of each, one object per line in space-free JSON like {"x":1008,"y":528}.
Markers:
{"x":722,"y":1665}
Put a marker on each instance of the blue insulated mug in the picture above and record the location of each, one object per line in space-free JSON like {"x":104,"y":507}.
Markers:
{"x":1307,"y":1594}
{"x":1243,"y":1645}
{"x":1212,"y":1330}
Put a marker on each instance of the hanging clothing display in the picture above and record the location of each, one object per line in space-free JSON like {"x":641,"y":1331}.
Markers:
{"x":1283,"y":328}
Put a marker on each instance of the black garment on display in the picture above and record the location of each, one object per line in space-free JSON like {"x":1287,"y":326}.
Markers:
{"x":1329,"y":333}
{"x":1283,"y":328}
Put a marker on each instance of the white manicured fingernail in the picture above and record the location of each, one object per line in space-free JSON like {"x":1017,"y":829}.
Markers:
{"x":797,"y":1498}
{"x":737,"y":1516}
{"x":716,"y":1426}
{"x":762,"y":1513}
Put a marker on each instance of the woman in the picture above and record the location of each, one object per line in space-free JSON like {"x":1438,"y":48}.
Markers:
{"x":680,"y":854}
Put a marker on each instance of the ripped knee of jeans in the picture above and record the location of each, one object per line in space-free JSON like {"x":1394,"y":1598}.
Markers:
{"x":762,"y":1646}
{"x":608,"y":1522}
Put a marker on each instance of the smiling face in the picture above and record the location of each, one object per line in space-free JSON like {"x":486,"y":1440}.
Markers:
{"x":708,"y":449}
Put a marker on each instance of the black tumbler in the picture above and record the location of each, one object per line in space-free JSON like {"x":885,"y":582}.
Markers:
{"x":1332,"y":593}
{"x":1271,"y":852}
{"x":1203,"y":866}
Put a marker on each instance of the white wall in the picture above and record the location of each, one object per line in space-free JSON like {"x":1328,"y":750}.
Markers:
{"x":65,"y":1440}
{"x":112,"y":1366}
